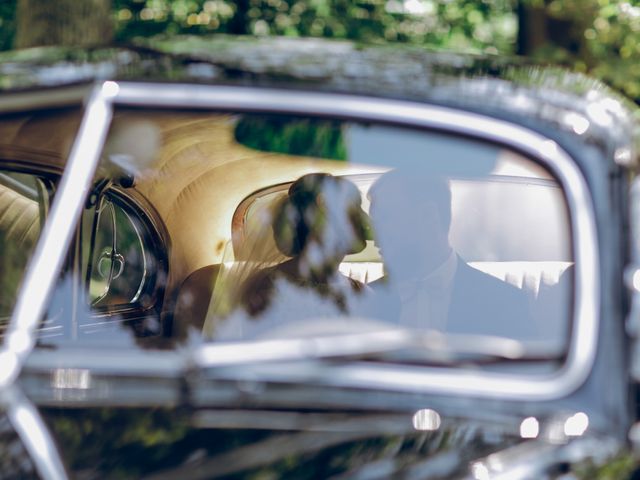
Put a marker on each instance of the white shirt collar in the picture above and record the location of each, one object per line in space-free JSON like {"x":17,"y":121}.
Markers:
{"x":440,"y":279}
{"x":442,"y":276}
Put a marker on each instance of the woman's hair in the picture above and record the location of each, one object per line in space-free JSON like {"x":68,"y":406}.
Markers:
{"x":322,"y":208}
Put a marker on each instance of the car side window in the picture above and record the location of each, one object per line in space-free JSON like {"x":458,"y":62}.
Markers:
{"x":122,"y":268}
{"x":24,"y":200}
{"x":115,"y":269}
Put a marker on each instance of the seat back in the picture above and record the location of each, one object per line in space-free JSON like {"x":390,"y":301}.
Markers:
{"x":527,"y":276}
{"x":195,"y":293}
{"x":194,"y":297}
{"x":19,"y":231}
{"x":19,"y":218}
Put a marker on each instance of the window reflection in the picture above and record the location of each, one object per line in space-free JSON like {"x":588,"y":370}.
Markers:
{"x":281,"y":226}
{"x":428,"y":282}
{"x":24,"y":199}
{"x":315,"y":225}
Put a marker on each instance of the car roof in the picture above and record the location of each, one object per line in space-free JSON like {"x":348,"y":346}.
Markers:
{"x":571,"y":105}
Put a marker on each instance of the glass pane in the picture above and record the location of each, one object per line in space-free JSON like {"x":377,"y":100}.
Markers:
{"x":284,"y":227}
{"x":23,"y":203}
{"x":104,"y":264}
{"x":33,"y":149}
{"x":120,"y":264}
{"x":127,"y":287}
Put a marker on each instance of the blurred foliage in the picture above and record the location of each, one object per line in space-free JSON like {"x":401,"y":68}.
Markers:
{"x":291,"y":136}
{"x":7,"y":23}
{"x":608,"y":33}
{"x":170,"y":443}
{"x":125,"y":443}
{"x":613,"y":43}
{"x":601,"y":37}
{"x":461,"y":24}
{"x":624,"y":465}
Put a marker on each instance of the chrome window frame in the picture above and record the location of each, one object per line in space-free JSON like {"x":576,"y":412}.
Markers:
{"x":23,"y":414}
{"x":85,"y":156}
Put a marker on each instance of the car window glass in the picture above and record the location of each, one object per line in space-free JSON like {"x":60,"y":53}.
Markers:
{"x":119,"y":262}
{"x":110,"y":290}
{"x":287,"y":227}
{"x":24,"y":199}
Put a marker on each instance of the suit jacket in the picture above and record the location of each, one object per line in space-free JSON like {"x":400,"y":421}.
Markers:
{"x":480,"y":304}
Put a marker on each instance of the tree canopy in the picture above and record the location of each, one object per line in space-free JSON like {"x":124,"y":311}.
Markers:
{"x":600,"y":37}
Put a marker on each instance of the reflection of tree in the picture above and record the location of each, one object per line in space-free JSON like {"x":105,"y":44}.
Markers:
{"x":165,"y":443}
{"x":306,"y":137}
{"x":624,"y":465}
{"x":128,"y":443}
{"x":121,"y":443}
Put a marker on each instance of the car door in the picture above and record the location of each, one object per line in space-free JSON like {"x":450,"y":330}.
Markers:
{"x":188,"y":389}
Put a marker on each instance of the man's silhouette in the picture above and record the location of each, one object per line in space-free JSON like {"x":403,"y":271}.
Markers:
{"x":426,"y":284}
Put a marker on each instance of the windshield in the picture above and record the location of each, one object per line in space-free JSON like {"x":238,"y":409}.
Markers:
{"x":252,"y":227}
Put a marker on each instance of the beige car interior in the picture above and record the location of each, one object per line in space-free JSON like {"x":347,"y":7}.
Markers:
{"x":194,"y":173}
{"x":19,"y":218}
{"x":19,"y":231}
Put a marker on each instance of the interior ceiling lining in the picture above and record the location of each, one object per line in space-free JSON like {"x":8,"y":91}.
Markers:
{"x":199,"y":176}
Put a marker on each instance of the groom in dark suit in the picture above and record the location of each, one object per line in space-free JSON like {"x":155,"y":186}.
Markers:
{"x":426,"y":284}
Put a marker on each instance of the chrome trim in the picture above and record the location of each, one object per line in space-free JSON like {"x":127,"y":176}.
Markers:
{"x":582,"y":348}
{"x":380,"y":341}
{"x":34,"y":434}
{"x":137,"y":363}
{"x":47,"y":98}
{"x":632,"y":277}
{"x":49,"y":255}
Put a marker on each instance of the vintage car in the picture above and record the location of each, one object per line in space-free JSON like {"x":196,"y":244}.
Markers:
{"x":232,"y":258}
